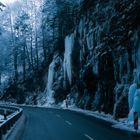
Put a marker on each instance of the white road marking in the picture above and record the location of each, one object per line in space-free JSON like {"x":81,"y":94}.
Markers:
{"x":69,"y":123}
{"x":57,"y":115}
{"x":87,"y":136}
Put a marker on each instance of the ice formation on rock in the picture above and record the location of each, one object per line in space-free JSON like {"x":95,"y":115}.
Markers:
{"x":69,"y":43}
{"x":131,"y":95}
{"x":136,"y":104}
{"x":134,"y":97}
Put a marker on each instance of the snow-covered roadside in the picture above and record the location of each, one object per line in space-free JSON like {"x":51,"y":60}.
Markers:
{"x":126,"y":126}
{"x":96,"y":114}
{"x":121,"y":124}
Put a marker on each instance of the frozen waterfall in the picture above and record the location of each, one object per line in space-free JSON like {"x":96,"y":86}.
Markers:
{"x":69,"y":43}
{"x":131,"y":95}
{"x":134,"y":97}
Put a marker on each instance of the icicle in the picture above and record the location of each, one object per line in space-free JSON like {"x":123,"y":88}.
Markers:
{"x":81,"y":27}
{"x":50,"y":76}
{"x":89,"y":39}
{"x":69,"y":43}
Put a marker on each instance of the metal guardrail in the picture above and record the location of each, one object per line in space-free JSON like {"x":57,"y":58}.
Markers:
{"x":10,"y":119}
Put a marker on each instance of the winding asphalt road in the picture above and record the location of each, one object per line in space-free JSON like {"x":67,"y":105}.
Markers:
{"x":54,"y":124}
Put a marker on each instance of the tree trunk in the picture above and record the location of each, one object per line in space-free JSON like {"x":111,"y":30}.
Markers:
{"x":24,"y":60}
{"x":37,"y":57}
{"x":15,"y":65}
{"x":31,"y":49}
{"x":15,"y":50}
{"x":28,"y":57}
{"x":43,"y":46}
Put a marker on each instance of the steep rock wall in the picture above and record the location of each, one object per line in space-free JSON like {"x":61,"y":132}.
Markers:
{"x":104,"y":49}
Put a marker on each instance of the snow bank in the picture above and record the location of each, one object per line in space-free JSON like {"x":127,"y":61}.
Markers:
{"x":96,"y":114}
{"x":124,"y":125}
{"x":119,"y":124}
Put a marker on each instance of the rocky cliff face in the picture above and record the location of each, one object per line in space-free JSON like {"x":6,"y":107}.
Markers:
{"x":100,"y":55}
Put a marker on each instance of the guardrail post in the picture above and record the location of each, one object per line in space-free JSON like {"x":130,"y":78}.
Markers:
{"x":5,"y":114}
{"x":0,"y":136}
